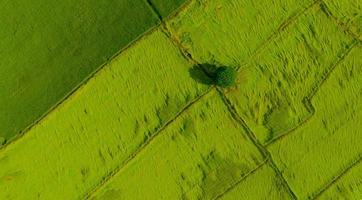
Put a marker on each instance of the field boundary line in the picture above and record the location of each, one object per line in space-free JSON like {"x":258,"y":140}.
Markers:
{"x":68,"y":96}
{"x":241,"y":179}
{"x":250,"y":172}
{"x":188,"y":56}
{"x":95,"y":73}
{"x":335,"y":179}
{"x":176,"y":42}
{"x":153,"y":9}
{"x":341,"y":25}
{"x":255,"y":141}
{"x":281,"y":28}
{"x":307,"y":101}
{"x":164,"y":30}
{"x":153,"y":136}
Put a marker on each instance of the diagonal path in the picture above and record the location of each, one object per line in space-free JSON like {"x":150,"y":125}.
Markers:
{"x":85,"y":79}
{"x":261,"y":148}
{"x":119,"y":168}
{"x":335,"y":180}
{"x":242,"y":179}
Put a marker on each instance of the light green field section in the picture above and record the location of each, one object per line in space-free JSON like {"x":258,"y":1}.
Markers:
{"x":228,"y":31}
{"x":165,"y":7}
{"x":348,"y":187}
{"x":198,"y":156}
{"x":331,"y":140}
{"x":261,"y":185}
{"x":349,"y":12}
{"x":271,"y":88}
{"x":100,"y":126}
{"x":48,"y":48}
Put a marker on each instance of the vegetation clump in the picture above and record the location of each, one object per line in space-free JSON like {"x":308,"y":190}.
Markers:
{"x":225,"y":76}
{"x":210,"y":74}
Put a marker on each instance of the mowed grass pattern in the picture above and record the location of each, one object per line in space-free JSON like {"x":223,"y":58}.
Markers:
{"x":102,"y":125}
{"x":142,"y":128}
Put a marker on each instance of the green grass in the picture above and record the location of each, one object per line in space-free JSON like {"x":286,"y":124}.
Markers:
{"x":149,"y":125}
{"x":262,"y":184}
{"x":347,"y":187}
{"x":200,"y":155}
{"x":272,"y":86}
{"x":329,"y":142}
{"x":101,"y":125}
{"x":348,"y":12}
{"x":226,"y":32}
{"x":50,"y":48}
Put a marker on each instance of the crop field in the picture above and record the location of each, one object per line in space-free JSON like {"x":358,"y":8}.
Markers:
{"x":48,"y":49}
{"x":107,"y":100}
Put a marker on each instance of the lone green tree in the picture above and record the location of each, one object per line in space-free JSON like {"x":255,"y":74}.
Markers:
{"x":225,"y":76}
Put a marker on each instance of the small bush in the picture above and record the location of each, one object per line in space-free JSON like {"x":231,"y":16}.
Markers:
{"x":225,"y":76}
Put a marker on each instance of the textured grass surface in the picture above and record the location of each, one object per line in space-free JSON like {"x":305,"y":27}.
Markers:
{"x":262,"y":184}
{"x":101,"y":125}
{"x":228,"y":31}
{"x":347,"y":187}
{"x":348,"y":12}
{"x":144,"y":127}
{"x":193,"y":158}
{"x":273,"y":85}
{"x":331,"y":140}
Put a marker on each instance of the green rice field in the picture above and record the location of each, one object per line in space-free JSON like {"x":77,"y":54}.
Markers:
{"x":104,"y":100}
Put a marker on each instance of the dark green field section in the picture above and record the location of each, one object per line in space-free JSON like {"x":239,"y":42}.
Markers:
{"x":47,"y":49}
{"x":165,"y":7}
{"x":102,"y":125}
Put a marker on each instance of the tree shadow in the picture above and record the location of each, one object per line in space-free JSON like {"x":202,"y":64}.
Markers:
{"x":203,"y":73}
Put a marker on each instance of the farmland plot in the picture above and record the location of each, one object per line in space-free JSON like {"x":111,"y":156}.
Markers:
{"x":142,"y":128}
{"x":47,"y":49}
{"x":274,"y":84}
{"x":198,"y":156}
{"x":320,"y":150}
{"x":101,"y":125}
{"x":229,"y":31}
